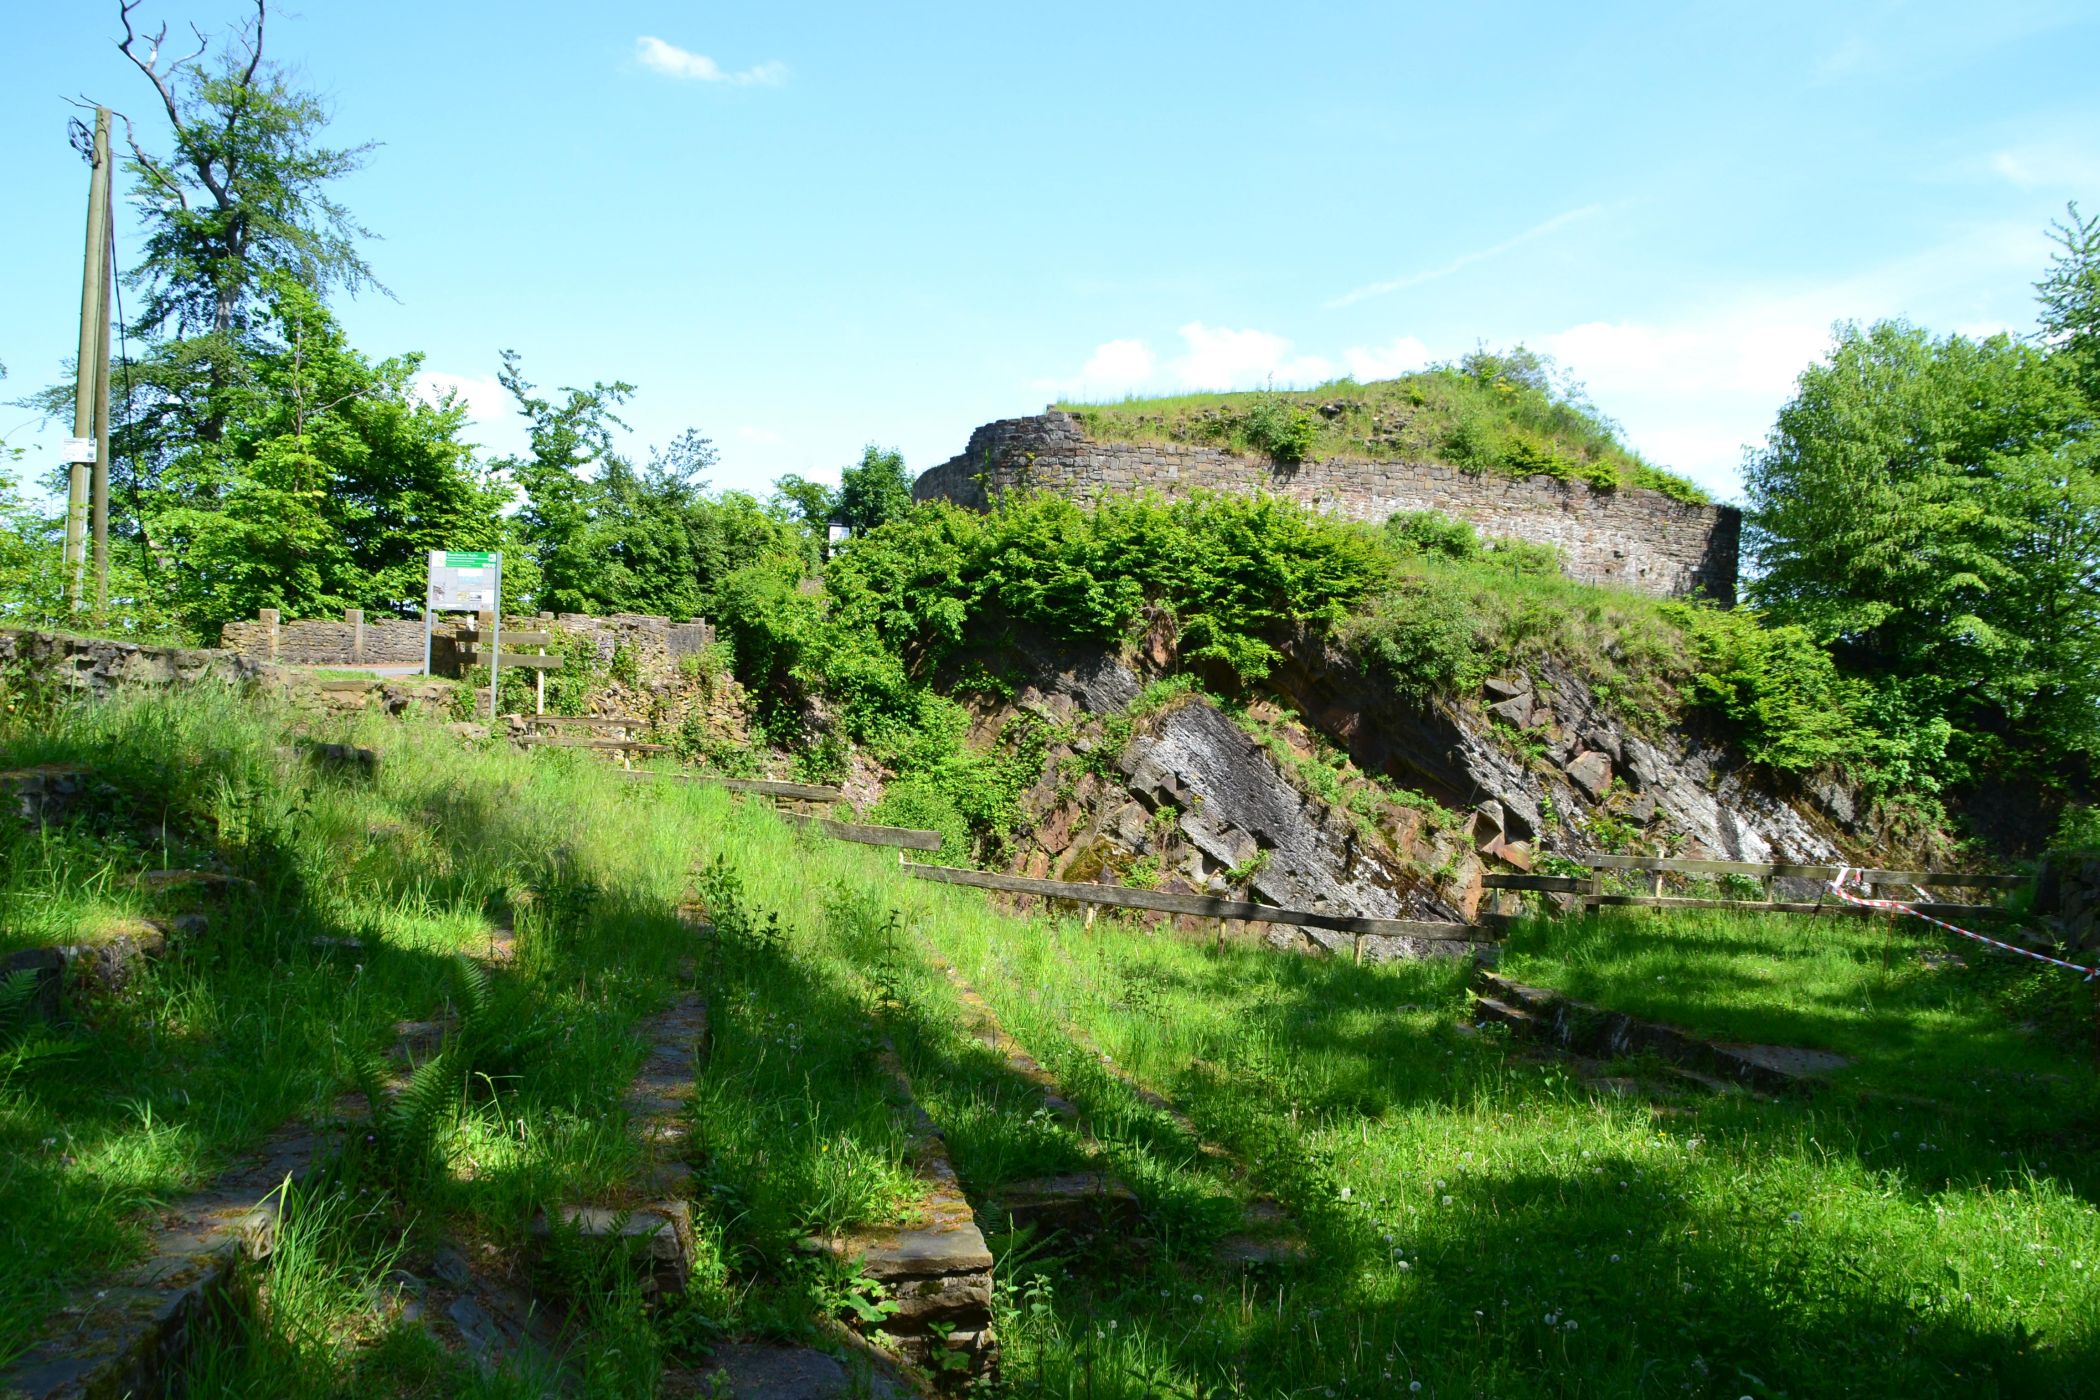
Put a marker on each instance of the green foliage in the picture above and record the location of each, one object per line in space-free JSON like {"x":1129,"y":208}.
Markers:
{"x":1510,"y":412}
{"x":1432,"y":532}
{"x":2077,"y":829}
{"x":2070,"y":300}
{"x":296,"y":474}
{"x":1278,"y":430}
{"x":606,"y":536}
{"x":1422,"y":637}
{"x":1931,"y":509}
{"x":1233,"y":574}
{"x":873,"y":493}
{"x":242,"y":196}
{"x":1778,"y":691}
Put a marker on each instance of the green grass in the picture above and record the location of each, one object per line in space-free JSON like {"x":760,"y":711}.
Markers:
{"x":1924,"y":1226}
{"x":1441,"y":415}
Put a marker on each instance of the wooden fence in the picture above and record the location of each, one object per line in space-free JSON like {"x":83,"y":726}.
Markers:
{"x":1201,"y":906}
{"x":905,"y":837}
{"x":1591,"y":887}
{"x":764,"y":787}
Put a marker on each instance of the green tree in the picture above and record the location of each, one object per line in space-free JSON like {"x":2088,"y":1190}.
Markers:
{"x":567,"y":437}
{"x":329,"y":480}
{"x":1925,"y":506}
{"x":874,"y":492}
{"x":605,"y":536}
{"x":2070,"y":298}
{"x":242,"y":192}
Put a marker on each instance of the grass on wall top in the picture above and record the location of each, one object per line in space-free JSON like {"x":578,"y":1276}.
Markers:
{"x":1477,"y":418}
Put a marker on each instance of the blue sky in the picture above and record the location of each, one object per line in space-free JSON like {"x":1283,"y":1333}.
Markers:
{"x":804,"y":228}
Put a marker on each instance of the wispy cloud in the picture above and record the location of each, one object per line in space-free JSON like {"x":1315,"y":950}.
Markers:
{"x":2042,"y":166}
{"x":1115,"y":367}
{"x":1466,"y":260}
{"x":491,"y":411}
{"x":1218,"y":358}
{"x":672,"y":61}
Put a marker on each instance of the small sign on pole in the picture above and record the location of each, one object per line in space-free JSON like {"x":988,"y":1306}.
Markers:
{"x":466,"y":581}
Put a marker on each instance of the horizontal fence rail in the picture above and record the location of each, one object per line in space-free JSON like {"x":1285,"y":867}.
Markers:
{"x":1679,"y":865}
{"x":1778,"y":906}
{"x":907,"y":837}
{"x":765,"y":787}
{"x":559,"y":741}
{"x":1590,"y":887}
{"x":1200,"y":906}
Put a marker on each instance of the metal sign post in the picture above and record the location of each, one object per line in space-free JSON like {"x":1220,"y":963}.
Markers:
{"x":466,"y":581}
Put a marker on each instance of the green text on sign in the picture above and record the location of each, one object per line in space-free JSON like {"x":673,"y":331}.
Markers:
{"x":470,"y":560}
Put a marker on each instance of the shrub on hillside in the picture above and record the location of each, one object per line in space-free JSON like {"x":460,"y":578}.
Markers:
{"x":1274,"y":428}
{"x":1422,"y":638}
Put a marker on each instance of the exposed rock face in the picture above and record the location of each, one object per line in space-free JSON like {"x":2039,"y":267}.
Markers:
{"x":1194,"y":803}
{"x":1237,"y":807}
{"x":1591,"y":766}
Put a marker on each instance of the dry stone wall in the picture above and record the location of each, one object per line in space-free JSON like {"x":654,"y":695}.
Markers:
{"x":355,"y":641}
{"x":1634,"y":538}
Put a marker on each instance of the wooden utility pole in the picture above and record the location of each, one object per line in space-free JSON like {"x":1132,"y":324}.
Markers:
{"x":91,"y":380}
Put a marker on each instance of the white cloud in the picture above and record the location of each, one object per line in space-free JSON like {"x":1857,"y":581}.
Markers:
{"x":1218,"y":358}
{"x":491,"y":411}
{"x":672,"y":61}
{"x":1695,"y":388}
{"x":486,"y":400}
{"x":1465,"y":260}
{"x":1400,"y":356}
{"x":2044,"y":166}
{"x":1115,"y":368}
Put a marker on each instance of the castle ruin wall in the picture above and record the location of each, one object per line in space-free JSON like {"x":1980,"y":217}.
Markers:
{"x":1630,"y":537}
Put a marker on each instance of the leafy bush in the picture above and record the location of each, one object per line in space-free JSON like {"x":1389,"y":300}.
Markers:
{"x":1272,"y":427}
{"x":2077,"y":829}
{"x":1778,"y":690}
{"x":1423,"y":638}
{"x":1432,"y":532}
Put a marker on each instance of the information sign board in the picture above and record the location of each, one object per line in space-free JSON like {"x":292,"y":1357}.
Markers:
{"x":463,"y":580}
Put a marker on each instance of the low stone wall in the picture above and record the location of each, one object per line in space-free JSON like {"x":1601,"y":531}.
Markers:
{"x":97,"y":666}
{"x":1634,"y":538}
{"x":354,"y":641}
{"x":351,"y":641}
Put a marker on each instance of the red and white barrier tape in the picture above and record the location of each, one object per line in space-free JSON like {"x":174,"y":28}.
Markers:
{"x":1844,"y":876}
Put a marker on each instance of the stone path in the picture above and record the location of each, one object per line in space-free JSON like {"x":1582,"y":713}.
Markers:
{"x":1076,"y":1203}
{"x":1592,"y":1030}
{"x":130,"y":1336}
{"x":1271,"y":1236}
{"x":938,"y":1269}
{"x":654,"y":1224}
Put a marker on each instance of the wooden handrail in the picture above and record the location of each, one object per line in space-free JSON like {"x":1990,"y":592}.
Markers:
{"x":1688,"y":866}
{"x":1199,"y":906}
{"x":801,"y":792}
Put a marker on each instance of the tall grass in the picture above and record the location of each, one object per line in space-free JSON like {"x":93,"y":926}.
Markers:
{"x":1481,"y":1219}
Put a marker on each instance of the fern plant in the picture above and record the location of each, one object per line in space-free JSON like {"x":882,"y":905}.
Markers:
{"x":405,"y":1125}
{"x":26,"y":1043}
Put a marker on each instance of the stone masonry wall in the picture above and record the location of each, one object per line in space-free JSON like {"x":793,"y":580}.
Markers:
{"x":352,"y":641}
{"x":1637,"y":539}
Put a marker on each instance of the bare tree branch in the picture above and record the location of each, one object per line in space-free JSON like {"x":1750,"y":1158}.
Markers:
{"x":150,"y":66}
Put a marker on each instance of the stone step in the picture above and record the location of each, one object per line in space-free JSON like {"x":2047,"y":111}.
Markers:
{"x":131,"y":1335}
{"x":1582,"y":1029}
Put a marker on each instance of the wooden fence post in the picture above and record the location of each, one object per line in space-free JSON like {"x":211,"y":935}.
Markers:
{"x":268,"y":618}
{"x":356,"y":618}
